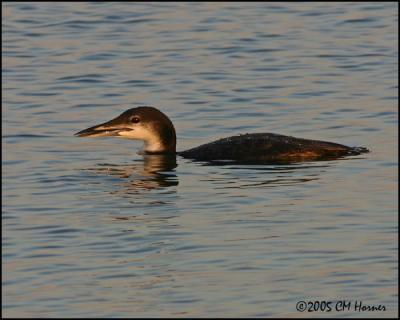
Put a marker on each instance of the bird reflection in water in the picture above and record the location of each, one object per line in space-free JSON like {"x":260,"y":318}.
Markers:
{"x":157,"y":172}
{"x":153,"y":172}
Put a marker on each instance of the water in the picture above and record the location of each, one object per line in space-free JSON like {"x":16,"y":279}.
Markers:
{"x":91,"y":228}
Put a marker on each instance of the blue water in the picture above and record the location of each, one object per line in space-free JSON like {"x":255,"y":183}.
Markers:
{"x":93,"y":229}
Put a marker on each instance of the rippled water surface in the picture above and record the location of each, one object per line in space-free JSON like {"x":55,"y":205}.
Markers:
{"x":91,"y":228}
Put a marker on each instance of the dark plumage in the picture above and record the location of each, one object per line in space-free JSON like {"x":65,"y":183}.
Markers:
{"x":269,"y":147}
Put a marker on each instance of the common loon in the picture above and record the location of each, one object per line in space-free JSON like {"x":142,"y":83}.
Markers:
{"x":158,"y":133}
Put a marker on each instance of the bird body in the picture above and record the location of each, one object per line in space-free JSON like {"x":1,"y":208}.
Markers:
{"x":268,"y":147}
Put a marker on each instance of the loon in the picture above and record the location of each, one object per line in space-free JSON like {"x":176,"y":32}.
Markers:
{"x":158,"y":133}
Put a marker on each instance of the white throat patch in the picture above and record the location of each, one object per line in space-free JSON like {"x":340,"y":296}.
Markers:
{"x":152,"y":141}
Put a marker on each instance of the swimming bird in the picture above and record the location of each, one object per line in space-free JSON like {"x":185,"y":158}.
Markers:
{"x":158,"y":133}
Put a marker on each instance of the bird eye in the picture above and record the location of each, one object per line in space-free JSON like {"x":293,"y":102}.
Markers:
{"x":135,"y":120}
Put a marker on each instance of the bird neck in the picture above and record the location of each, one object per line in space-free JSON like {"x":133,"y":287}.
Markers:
{"x":157,"y":146}
{"x":163,"y":140}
